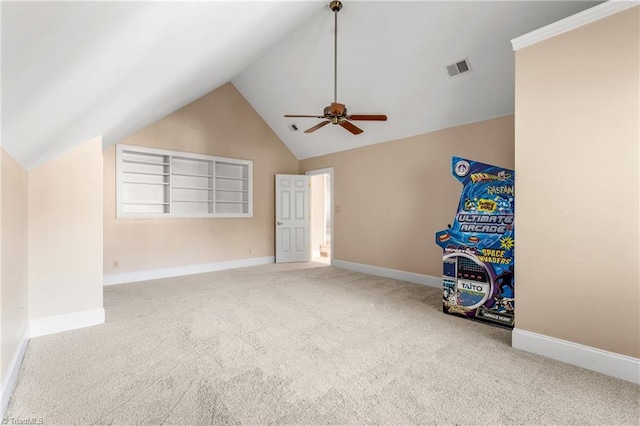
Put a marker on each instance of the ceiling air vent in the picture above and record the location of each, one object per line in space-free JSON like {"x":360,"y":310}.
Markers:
{"x":461,"y":67}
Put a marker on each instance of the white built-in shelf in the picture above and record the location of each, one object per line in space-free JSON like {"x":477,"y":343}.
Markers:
{"x":230,"y":178}
{"x":145,"y":183}
{"x":146,"y":173}
{"x":146,"y":203}
{"x":194,"y":188}
{"x":232,"y":202}
{"x":191,"y":174}
{"x":159,"y":183}
{"x":153,"y":163}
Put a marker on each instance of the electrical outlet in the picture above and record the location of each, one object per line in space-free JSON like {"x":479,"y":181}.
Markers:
{"x":250,"y":250}
{"x":337,"y":209}
{"x":357,"y":254}
{"x":114,"y":264}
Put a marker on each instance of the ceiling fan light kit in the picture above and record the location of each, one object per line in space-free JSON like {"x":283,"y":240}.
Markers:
{"x":336,"y":113}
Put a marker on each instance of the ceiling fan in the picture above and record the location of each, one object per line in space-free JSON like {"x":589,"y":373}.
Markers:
{"x":336,"y":113}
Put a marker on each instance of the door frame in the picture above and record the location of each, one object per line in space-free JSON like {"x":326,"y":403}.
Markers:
{"x":327,"y":171}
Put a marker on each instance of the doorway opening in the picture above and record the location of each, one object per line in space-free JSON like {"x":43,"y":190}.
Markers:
{"x":321,"y":217}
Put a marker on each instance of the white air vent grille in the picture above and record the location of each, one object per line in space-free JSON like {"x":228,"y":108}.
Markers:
{"x":460,"y":67}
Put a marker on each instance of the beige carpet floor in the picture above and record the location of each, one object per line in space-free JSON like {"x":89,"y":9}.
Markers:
{"x":300,"y":344}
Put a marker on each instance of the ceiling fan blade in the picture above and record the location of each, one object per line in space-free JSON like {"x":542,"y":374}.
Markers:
{"x":304,"y":116}
{"x":350,"y":127}
{"x":367,"y":117}
{"x":317,"y":126}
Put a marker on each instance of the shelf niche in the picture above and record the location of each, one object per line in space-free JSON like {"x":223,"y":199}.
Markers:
{"x":160,"y":183}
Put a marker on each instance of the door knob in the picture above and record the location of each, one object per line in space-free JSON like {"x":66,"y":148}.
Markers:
{"x":279,"y":223}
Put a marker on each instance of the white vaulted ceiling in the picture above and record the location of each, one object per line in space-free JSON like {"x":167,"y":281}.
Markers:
{"x":72,"y":71}
{"x":75,"y":70}
{"x":391,"y":60}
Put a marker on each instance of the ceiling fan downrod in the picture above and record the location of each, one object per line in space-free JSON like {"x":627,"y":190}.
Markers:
{"x":335,"y":6}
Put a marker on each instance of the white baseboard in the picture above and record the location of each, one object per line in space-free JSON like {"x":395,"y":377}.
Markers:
{"x":65,"y":322}
{"x":609,"y":363}
{"x":154,"y":274}
{"x":12,"y":375}
{"x":396,"y":274}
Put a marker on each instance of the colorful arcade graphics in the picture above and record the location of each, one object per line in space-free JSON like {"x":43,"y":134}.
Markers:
{"x":478,"y":249}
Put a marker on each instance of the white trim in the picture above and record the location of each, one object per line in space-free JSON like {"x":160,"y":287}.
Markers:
{"x":154,"y":274}
{"x":325,"y":171}
{"x":328,"y":171}
{"x":65,"y":322}
{"x":396,"y":274}
{"x":609,"y":363}
{"x":12,"y":374}
{"x":569,"y":23}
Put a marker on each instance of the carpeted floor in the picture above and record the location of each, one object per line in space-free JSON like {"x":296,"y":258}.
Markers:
{"x":300,"y":344}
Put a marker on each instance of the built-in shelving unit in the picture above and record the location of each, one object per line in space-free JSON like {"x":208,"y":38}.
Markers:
{"x":159,"y":183}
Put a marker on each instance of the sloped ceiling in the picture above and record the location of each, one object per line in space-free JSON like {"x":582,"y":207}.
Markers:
{"x":75,"y":70}
{"x":391,"y":60}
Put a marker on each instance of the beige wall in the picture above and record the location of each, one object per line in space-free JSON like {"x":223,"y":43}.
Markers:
{"x":14,"y":250}
{"x":577,"y":137}
{"x":392,"y":197}
{"x":221,"y":123}
{"x":65,"y":233}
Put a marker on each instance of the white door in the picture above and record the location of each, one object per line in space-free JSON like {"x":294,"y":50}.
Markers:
{"x":292,"y":218}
